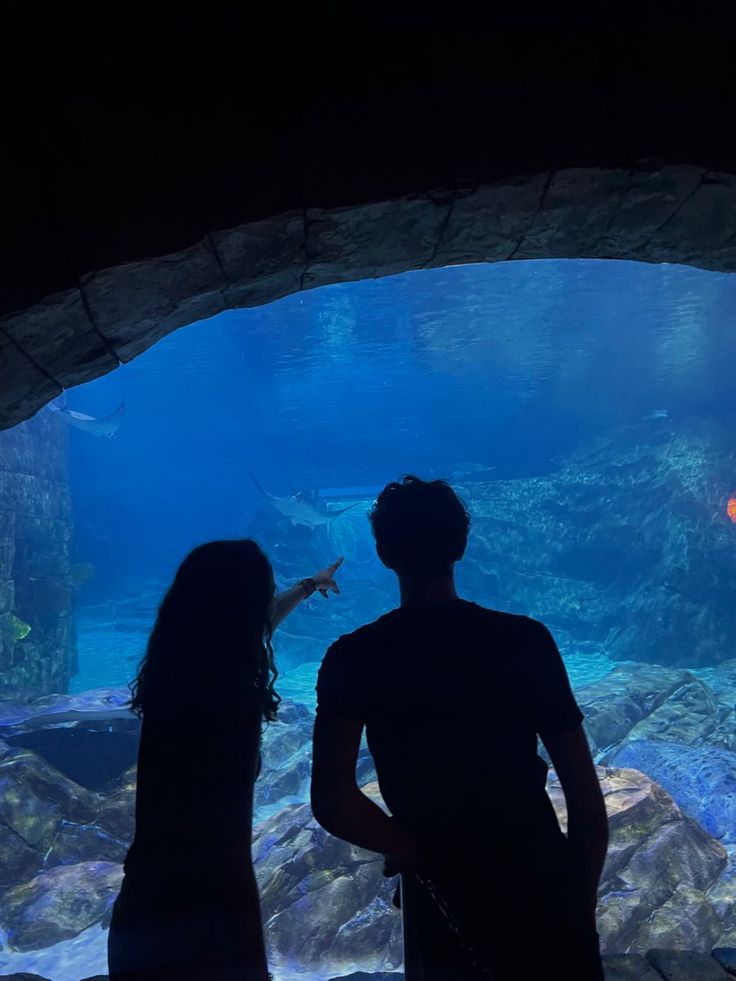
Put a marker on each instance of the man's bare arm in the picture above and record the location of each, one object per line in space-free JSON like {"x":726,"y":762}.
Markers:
{"x":587,"y":824}
{"x":338,"y":803}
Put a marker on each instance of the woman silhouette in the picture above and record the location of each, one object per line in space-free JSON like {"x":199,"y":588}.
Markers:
{"x":188,"y":908}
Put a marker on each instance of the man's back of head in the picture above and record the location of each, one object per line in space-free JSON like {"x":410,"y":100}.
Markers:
{"x":420,"y":527}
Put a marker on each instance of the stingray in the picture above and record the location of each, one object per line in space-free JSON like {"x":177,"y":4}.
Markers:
{"x":105,"y":426}
{"x":465,"y":472}
{"x":301,"y":508}
{"x":97,"y":705}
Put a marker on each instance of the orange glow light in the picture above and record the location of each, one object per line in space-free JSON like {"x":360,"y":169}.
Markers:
{"x":731,"y":509}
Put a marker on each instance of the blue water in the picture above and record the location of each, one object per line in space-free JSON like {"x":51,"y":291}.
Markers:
{"x":507,"y":367}
{"x":505,"y":379}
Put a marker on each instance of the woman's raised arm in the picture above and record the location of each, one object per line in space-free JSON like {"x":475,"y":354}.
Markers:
{"x":322,"y":581}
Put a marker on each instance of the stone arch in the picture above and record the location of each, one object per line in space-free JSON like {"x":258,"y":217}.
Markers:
{"x":128,"y":218}
{"x":681,"y":214}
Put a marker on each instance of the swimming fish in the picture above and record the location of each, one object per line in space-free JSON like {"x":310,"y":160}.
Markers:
{"x":20,"y":628}
{"x":96,"y":705}
{"x":731,"y":508}
{"x":73,"y":715}
{"x":472,"y":471}
{"x":656,"y":414}
{"x":80,"y":573}
{"x":105,"y":426}
{"x":301,"y":510}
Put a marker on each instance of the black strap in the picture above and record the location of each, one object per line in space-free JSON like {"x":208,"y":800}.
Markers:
{"x":455,"y":925}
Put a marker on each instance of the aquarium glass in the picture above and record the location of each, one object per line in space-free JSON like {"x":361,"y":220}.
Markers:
{"x":585,"y":411}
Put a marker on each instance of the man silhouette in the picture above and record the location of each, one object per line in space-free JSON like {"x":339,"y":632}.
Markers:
{"x":453,"y":697}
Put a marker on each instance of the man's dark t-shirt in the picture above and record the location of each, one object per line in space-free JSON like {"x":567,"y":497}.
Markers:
{"x":453,"y":696}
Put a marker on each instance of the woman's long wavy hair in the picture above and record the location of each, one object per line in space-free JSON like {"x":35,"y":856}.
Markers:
{"x":210,"y":646}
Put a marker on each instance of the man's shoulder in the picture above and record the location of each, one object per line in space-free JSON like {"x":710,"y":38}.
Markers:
{"x":365,"y":634}
{"x":475,"y":616}
{"x":346,"y":659}
{"x":504,"y":621}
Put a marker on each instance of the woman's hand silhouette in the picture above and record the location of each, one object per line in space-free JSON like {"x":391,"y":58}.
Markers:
{"x":324,"y":579}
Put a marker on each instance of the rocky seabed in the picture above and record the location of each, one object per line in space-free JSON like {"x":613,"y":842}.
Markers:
{"x":666,"y":754}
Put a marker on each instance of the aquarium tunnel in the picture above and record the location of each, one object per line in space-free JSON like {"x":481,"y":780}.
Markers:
{"x":300,"y":260}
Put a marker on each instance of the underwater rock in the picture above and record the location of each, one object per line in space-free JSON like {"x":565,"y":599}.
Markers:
{"x":627,"y":543}
{"x":726,"y":957}
{"x":288,"y":734}
{"x":48,"y":820}
{"x":723,"y":896}
{"x":287,"y":781}
{"x":690,"y":715}
{"x":116,"y":815}
{"x":629,"y":967}
{"x":22,"y":977}
{"x":24,"y":775}
{"x":12,"y":713}
{"x":363,"y":976}
{"x":49,"y":597}
{"x":21,"y":861}
{"x":323,"y":900}
{"x":680,"y":965}
{"x":91,"y":737}
{"x":36,"y":628}
{"x":59,"y":903}
{"x":684,"y":922}
{"x":287,"y":759}
{"x":659,"y":868}
{"x":7,"y":592}
{"x":92,"y":758}
{"x":654,"y":890}
{"x":286,"y":755}
{"x":84,"y":843}
{"x":625,"y":696}
{"x":701,"y":781}
{"x":36,"y":804}
{"x":722,"y":680}
{"x":660,"y":885}
{"x":640,"y":701}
